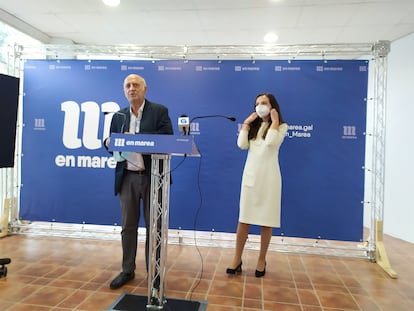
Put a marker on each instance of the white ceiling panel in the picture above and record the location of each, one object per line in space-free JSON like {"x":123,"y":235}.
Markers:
{"x":213,"y":22}
{"x":332,"y":15}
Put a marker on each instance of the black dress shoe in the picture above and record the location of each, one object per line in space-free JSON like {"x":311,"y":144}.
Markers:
{"x":236,"y":270}
{"x":259,"y":274}
{"x":121,"y":280}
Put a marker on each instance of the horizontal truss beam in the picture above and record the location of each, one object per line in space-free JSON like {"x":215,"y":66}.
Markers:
{"x":320,"y":51}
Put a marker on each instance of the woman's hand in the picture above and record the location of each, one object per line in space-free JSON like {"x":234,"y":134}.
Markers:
{"x":275,"y":118}
{"x":248,"y":121}
{"x":250,"y":118}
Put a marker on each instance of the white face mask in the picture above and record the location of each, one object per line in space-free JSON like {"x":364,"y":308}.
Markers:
{"x":262,"y":111}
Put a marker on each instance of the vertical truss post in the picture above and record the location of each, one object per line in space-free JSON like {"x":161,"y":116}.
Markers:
{"x":10,"y":176}
{"x":380,"y":51}
{"x":160,"y":198}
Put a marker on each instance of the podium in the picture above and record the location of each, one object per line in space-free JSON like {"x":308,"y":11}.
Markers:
{"x":161,"y":148}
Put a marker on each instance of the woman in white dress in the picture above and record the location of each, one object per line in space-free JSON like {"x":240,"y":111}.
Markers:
{"x":262,"y":133}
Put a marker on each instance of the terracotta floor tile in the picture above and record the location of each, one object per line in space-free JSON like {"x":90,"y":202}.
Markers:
{"x":366,"y":303}
{"x":308,"y":297}
{"x":177,"y":294}
{"x":48,"y":296}
{"x":304,"y":285}
{"x":198,"y":285}
{"x":223,"y":288}
{"x":92,"y":286}
{"x":98,"y":301}
{"x":27,"y":307}
{"x":17,"y":292}
{"x":280,"y":294}
{"x":75,"y":299}
{"x":38,"y":270}
{"x":357,"y":291}
{"x":42,"y":281}
{"x":337,"y":300}
{"x":300,"y":276}
{"x":272,"y":306}
{"x":224,"y":301}
{"x":214,"y":307}
{"x":253,"y":291}
{"x":61,"y":274}
{"x":326,"y":279}
{"x":252,"y":304}
{"x":311,"y":308}
{"x":331,"y":288}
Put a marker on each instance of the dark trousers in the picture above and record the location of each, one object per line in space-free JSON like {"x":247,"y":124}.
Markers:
{"x":135,"y":189}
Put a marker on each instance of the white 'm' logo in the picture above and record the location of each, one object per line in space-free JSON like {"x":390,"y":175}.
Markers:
{"x":89,"y":131}
{"x":349,"y":130}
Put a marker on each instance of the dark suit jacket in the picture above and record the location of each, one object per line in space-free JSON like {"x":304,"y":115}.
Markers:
{"x":155,"y":120}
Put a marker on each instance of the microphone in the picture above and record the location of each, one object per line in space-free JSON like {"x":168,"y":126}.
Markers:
{"x":184,"y":124}
{"x":114,"y":112}
{"x":116,"y":154}
{"x":214,"y":116}
{"x":119,"y":113}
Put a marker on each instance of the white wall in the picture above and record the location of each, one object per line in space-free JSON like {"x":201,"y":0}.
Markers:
{"x":399,"y":157}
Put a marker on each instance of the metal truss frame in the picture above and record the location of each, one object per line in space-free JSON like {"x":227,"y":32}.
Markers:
{"x":377,"y":53}
{"x":183,"y":52}
{"x":159,"y":216}
{"x":10,"y":177}
{"x":378,"y":252}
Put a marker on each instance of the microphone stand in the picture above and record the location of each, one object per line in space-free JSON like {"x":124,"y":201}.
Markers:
{"x":118,"y":113}
{"x":186,"y":129}
{"x":213,"y":116}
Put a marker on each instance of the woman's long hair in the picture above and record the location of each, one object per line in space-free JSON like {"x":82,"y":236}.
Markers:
{"x":255,"y":125}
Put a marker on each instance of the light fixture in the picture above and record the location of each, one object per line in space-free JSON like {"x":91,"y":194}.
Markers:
{"x":270,"y":37}
{"x":112,"y":3}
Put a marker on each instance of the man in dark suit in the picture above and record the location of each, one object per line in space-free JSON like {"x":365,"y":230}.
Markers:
{"x":133,"y":171}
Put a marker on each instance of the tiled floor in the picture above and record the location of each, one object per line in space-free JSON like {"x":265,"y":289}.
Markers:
{"x":51,"y":273}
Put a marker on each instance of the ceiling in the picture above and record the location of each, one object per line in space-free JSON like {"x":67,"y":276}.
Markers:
{"x":210,"y":22}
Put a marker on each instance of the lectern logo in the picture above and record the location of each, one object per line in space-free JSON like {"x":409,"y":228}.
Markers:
{"x":119,"y":142}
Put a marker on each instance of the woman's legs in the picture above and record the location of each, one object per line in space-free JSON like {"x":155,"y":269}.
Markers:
{"x":241,"y":237}
{"x":265,"y":236}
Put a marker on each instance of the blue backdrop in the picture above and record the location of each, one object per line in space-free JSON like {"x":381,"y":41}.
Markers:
{"x":67,"y":175}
